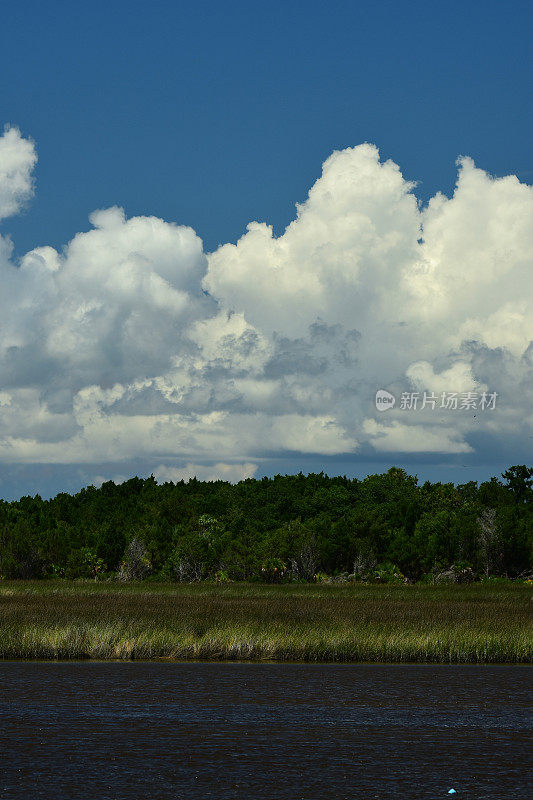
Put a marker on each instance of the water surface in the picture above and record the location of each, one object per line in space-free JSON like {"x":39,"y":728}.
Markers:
{"x":166,"y":730}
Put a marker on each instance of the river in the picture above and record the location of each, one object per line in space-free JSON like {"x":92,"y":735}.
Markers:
{"x":112,"y":731}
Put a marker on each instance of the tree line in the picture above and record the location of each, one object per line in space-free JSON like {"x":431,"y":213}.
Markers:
{"x":386,"y":527}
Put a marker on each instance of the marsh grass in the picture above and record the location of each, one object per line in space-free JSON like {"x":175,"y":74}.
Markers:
{"x":295,"y":622}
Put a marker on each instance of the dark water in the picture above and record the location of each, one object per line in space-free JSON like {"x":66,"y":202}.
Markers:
{"x":150,"y":730}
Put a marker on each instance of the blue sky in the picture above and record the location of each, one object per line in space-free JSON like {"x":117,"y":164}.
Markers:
{"x":213,"y":115}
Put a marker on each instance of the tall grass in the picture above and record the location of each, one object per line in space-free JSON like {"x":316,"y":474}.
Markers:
{"x":457,"y":624}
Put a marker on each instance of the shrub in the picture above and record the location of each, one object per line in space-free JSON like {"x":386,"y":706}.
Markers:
{"x":388,"y":573}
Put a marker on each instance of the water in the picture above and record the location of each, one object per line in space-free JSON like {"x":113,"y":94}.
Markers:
{"x":162,"y":730}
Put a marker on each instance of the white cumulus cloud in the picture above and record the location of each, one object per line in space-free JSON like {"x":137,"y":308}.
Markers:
{"x":133,"y":343}
{"x":17,"y":160}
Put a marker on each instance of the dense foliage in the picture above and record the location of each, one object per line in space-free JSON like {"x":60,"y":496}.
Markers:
{"x":386,"y":527}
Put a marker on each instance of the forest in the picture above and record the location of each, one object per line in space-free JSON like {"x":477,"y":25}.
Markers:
{"x":386,"y":528}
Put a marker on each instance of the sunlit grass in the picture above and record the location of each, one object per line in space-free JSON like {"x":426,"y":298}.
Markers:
{"x":295,"y":622}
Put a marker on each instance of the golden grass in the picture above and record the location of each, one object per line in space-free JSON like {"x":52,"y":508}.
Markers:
{"x":458,"y":624}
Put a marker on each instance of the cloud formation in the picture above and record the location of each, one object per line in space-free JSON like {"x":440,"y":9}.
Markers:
{"x":212,"y":472}
{"x":17,"y":160}
{"x":134,"y":343}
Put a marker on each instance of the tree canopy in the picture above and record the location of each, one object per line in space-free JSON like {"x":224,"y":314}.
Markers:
{"x":289,"y":527}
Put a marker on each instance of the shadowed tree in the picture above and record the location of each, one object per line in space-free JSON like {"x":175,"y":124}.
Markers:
{"x":488,"y":538}
{"x":136,"y":564}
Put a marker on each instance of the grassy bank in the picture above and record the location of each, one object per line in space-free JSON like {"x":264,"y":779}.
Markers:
{"x":457,"y":624}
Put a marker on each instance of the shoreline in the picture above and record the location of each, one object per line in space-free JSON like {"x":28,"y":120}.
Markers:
{"x":260,"y":663}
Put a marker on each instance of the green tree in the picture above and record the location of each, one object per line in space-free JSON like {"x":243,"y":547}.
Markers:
{"x":519,"y":480}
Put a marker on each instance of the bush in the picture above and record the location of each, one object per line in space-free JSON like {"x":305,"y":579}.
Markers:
{"x":458,"y":573}
{"x":388,"y":573}
{"x":273,"y":570}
